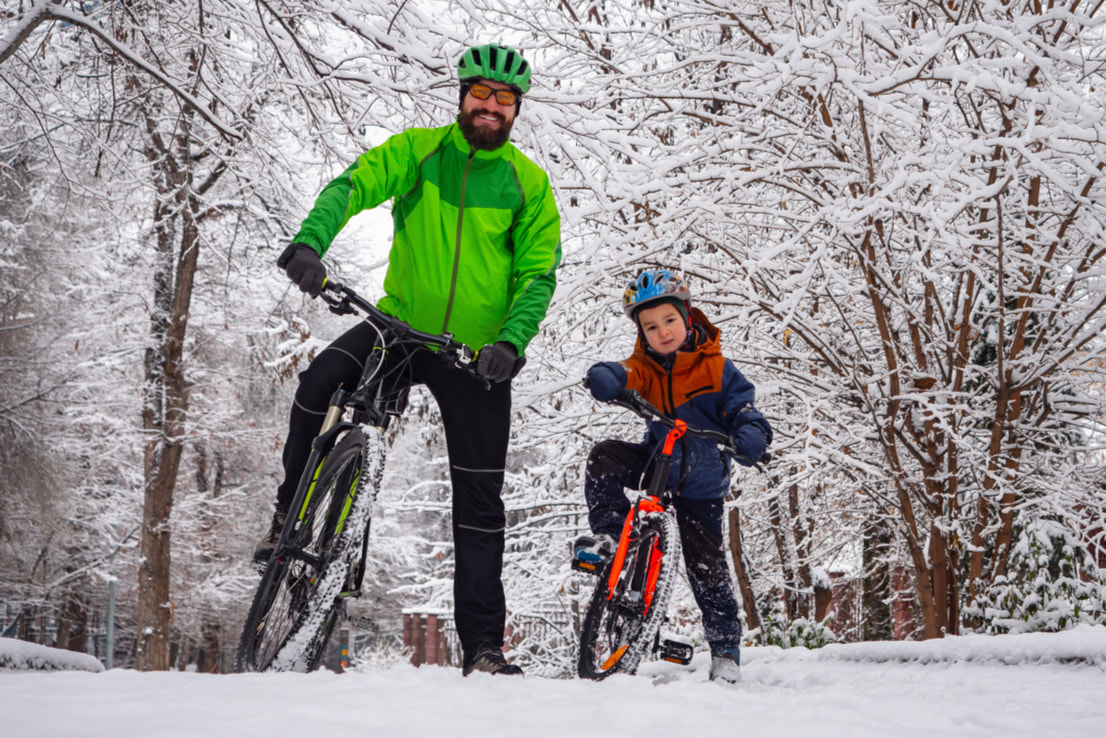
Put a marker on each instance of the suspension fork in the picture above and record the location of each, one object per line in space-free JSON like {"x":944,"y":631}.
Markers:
{"x":651,"y":502}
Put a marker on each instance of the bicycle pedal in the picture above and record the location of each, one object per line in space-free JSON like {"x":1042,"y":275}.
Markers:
{"x":676,"y":651}
{"x":588,"y":567}
{"x":360,"y":622}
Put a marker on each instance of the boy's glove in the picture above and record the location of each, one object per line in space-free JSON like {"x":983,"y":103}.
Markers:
{"x":496,"y":361}
{"x":750,"y":441}
{"x":604,"y":382}
{"x":304,"y":267}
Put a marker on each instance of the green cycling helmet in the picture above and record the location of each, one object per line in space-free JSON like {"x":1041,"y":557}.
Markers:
{"x":497,"y":63}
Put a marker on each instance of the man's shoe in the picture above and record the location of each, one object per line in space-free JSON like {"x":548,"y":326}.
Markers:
{"x":725,"y":665}
{"x":589,"y":553}
{"x":263,"y":551}
{"x":490,"y":659}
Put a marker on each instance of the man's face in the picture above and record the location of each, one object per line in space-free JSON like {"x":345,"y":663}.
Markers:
{"x":485,"y":123}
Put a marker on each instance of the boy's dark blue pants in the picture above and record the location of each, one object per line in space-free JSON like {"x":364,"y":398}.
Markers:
{"x":614,"y":466}
{"x":477,"y":431}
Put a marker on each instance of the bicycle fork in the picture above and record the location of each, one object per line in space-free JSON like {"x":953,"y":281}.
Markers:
{"x":653,"y":501}
{"x":643,"y":580}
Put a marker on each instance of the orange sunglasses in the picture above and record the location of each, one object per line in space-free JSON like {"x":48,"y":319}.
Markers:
{"x":483,"y":92}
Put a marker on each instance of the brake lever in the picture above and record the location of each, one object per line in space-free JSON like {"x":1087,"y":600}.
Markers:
{"x":466,"y":358}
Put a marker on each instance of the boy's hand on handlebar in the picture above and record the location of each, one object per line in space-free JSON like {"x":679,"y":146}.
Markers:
{"x":750,"y":442}
{"x":304,"y":267}
{"x":603,"y":381}
{"x":496,"y":361}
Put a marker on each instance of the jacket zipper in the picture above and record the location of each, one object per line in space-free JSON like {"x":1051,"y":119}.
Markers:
{"x":457,"y":247}
{"x":672,"y":412}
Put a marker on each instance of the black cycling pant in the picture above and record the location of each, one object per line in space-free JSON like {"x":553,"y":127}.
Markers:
{"x":614,"y":466}
{"x":477,"y":429}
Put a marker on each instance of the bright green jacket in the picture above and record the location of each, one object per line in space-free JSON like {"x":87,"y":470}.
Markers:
{"x":477,"y":234}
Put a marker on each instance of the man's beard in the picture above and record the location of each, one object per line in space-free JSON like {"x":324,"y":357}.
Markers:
{"x":484,"y":139}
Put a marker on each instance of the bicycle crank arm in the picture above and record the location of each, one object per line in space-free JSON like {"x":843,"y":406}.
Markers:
{"x":300,"y":555}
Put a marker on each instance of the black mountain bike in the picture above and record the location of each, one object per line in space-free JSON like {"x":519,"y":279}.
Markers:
{"x":630,"y":602}
{"x":319,"y":560}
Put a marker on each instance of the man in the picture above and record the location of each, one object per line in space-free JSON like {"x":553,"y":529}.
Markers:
{"x":475,"y":248}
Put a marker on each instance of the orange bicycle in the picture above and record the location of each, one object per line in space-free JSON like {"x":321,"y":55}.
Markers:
{"x":628,"y":607}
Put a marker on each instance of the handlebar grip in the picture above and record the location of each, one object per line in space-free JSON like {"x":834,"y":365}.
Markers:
{"x":626,"y":395}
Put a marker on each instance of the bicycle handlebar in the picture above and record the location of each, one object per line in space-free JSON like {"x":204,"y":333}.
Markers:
{"x":344,"y":300}
{"x":631,"y":400}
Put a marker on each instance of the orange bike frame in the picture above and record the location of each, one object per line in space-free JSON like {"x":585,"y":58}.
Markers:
{"x":647,"y":504}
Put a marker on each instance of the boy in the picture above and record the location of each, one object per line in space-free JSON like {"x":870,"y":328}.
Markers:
{"x":677,"y":365}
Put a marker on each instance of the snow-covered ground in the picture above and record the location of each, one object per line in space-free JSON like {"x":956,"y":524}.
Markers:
{"x":1036,"y":685}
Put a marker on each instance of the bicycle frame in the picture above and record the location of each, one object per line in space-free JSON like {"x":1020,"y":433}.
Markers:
{"x":657,"y":499}
{"x":364,"y":400}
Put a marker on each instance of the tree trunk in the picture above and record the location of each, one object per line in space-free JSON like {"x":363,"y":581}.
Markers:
{"x":73,"y":625}
{"x":166,"y":409}
{"x":741,"y":568}
{"x":875,"y":624}
{"x":804,"y":590}
{"x":208,"y":659}
{"x":209,"y":482}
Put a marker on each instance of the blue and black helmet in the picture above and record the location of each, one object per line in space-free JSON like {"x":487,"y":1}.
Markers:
{"x":654,"y":285}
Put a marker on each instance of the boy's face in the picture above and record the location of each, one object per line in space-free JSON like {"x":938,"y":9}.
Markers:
{"x":664,"y":327}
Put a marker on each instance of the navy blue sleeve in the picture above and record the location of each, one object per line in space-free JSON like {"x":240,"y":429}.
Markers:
{"x":744,"y":423}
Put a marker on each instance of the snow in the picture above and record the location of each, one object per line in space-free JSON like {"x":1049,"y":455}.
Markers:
{"x":17,"y":655}
{"x":1019,"y":685}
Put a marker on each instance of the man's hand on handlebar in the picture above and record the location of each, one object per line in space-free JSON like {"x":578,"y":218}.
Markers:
{"x":304,"y":267}
{"x":496,"y":361}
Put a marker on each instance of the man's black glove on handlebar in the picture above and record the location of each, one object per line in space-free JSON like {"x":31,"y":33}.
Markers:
{"x":496,"y":362}
{"x":304,"y":267}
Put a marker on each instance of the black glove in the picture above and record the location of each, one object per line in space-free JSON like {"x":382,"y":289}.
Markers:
{"x":304,"y":267}
{"x":496,"y":361}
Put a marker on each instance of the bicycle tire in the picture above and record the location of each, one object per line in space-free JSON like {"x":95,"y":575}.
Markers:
{"x":288,"y":624}
{"x":344,"y":567}
{"x":618,"y":630}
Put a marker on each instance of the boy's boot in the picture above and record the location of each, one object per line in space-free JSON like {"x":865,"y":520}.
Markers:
{"x":592,"y":551}
{"x":725,"y":665}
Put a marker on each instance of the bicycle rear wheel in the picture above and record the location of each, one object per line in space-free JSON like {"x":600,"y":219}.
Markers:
{"x":297,"y":604}
{"x":619,"y":628}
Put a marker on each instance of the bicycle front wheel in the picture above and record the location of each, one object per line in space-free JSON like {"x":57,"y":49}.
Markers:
{"x":298,"y":602}
{"x":622,"y":621}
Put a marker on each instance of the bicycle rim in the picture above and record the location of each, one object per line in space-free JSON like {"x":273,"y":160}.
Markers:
{"x":285,"y":599}
{"x":618,"y":629}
